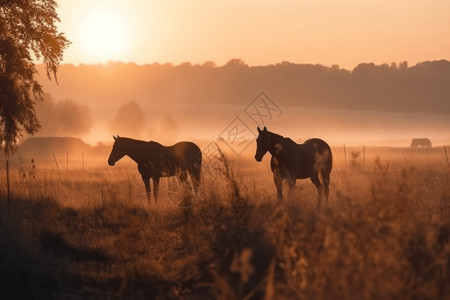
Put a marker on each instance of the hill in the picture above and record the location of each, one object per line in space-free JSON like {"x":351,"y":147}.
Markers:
{"x":44,"y":148}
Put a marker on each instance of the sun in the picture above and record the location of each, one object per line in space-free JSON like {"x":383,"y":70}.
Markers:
{"x":103,"y":35}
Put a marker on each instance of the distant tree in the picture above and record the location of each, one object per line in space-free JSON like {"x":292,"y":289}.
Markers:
{"x":185,"y":65}
{"x":335,"y":67}
{"x":285,"y":63}
{"x":45,"y":111}
{"x":403,"y":65}
{"x":236,"y":62}
{"x":209,"y":64}
{"x":63,"y":118}
{"x":129,"y":120}
{"x":71,"y":118}
{"x":27,"y":32}
{"x":169,"y":129}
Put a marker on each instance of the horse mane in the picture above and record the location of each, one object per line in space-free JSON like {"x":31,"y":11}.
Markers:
{"x":153,"y":143}
{"x":149,"y":143}
{"x":128,"y":139}
{"x":139,"y":141}
{"x":281,"y":138}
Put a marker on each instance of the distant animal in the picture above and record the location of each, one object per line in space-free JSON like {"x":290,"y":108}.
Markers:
{"x":155,"y":161}
{"x":420,"y":142}
{"x":312,"y":159}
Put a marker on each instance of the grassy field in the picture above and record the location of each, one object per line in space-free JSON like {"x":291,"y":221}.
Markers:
{"x":91,"y":233}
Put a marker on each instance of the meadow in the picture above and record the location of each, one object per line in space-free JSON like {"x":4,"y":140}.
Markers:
{"x":88,"y":231}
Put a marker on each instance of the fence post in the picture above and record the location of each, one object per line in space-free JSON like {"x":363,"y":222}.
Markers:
{"x":446,"y":155}
{"x":345,"y":156}
{"x":364,"y":156}
{"x":57,"y":167}
{"x":448,"y":166}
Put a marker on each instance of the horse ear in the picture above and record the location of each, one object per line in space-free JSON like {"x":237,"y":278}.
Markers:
{"x":259,"y":130}
{"x":265,"y":129}
{"x":115,"y":138}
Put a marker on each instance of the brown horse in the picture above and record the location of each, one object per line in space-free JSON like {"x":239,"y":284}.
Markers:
{"x":312,"y":159}
{"x":155,"y":160}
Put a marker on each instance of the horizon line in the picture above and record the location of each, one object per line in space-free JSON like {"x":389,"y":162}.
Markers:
{"x":237,"y":62}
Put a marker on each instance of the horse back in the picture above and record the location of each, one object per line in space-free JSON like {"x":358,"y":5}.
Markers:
{"x":303,"y":160}
{"x":187,"y":153}
{"x":320,"y":152}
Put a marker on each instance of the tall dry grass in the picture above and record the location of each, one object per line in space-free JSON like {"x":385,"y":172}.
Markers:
{"x":384,"y":235}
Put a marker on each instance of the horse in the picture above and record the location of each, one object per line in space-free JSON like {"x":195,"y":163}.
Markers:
{"x":421,"y":142}
{"x":291,"y":161}
{"x":155,"y":161}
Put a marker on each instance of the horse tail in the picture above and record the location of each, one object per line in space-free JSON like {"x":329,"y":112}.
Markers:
{"x":329,"y":163}
{"x":196,"y":157}
{"x":196,"y":167}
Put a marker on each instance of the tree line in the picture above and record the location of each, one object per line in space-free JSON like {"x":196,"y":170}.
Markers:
{"x":422,"y":88}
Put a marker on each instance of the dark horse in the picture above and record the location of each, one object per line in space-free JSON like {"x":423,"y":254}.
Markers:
{"x":155,"y":160}
{"x":291,"y":161}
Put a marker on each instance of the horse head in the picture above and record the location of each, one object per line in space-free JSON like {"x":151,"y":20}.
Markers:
{"x":262,"y":143}
{"x":117,"y":151}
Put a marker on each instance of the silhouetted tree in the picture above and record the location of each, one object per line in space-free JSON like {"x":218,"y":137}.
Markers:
{"x":63,"y":118}
{"x":45,"y":112}
{"x":209,"y":64}
{"x":27,"y":32}
{"x":129,"y":120}
{"x":422,"y":88}
{"x":403,"y":65}
{"x":71,"y":118}
{"x":169,"y":129}
{"x":236,"y":62}
{"x":185,"y":65}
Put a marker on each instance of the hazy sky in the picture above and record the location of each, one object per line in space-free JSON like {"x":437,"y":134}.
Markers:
{"x":259,"y":32}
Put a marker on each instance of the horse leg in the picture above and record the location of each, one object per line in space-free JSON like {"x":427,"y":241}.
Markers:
{"x":291,"y":182}
{"x":279,"y":184}
{"x":155,"y":187}
{"x":315,"y":179}
{"x":147,"y":186}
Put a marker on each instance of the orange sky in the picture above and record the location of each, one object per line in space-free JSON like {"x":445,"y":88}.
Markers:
{"x":259,"y":32}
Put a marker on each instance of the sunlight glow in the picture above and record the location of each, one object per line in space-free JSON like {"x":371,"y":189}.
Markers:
{"x":104,"y":35}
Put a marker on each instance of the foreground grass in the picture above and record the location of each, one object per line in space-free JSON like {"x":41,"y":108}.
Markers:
{"x":384,"y":235}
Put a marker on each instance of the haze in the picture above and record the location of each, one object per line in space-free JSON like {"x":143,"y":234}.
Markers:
{"x":264,"y":32}
{"x":387,"y":104}
{"x":373,"y":72}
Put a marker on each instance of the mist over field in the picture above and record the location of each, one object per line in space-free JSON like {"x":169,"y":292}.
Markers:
{"x":216,"y":150}
{"x":81,"y":222}
{"x":87,"y":223}
{"x":372,"y":104}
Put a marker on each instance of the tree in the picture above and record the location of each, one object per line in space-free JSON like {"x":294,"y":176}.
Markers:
{"x":63,"y":118}
{"x":45,"y":112}
{"x":27,"y":33}
{"x":169,"y":129}
{"x":71,"y":118}
{"x":236,"y":62}
{"x":209,"y":64}
{"x":129,"y":120}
